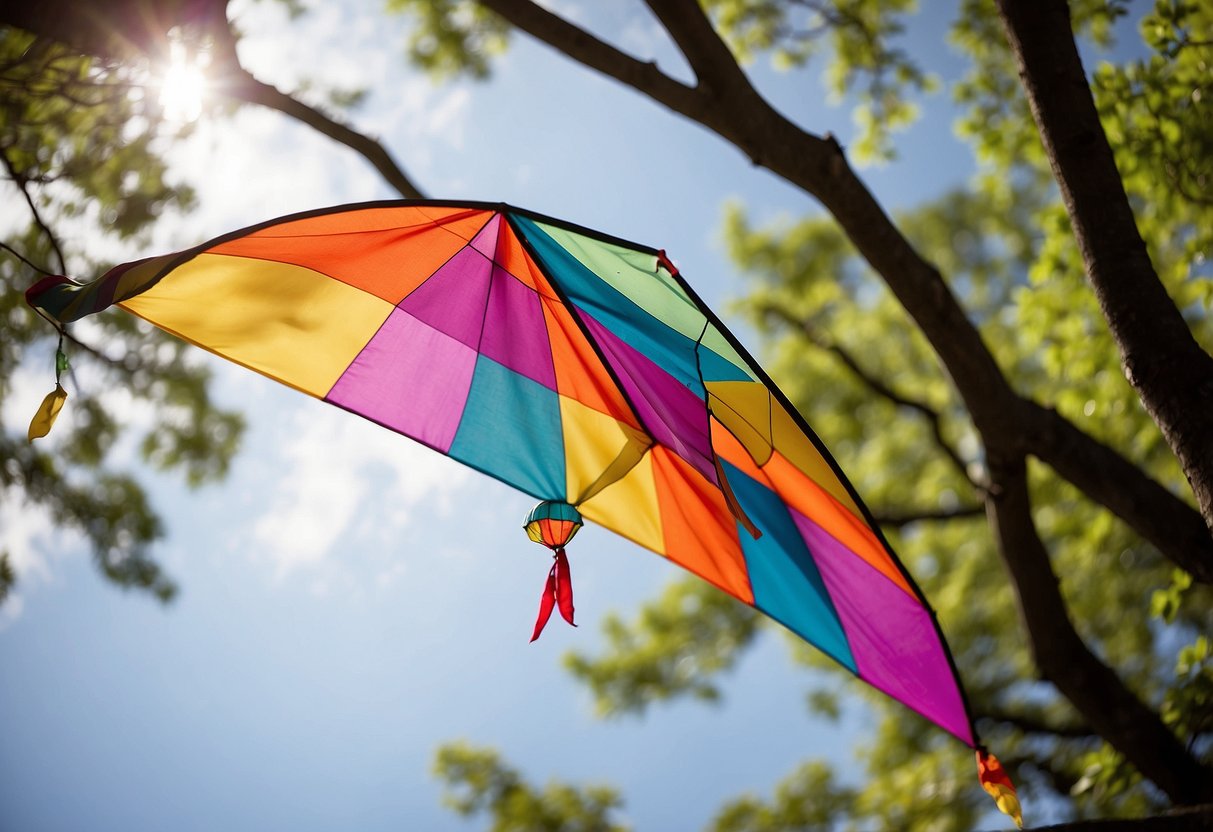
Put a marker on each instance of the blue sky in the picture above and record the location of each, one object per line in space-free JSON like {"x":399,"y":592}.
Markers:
{"x":350,"y":600}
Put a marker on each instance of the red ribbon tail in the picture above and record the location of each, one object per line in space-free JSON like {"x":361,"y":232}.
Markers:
{"x":564,"y":586}
{"x":546,"y":604}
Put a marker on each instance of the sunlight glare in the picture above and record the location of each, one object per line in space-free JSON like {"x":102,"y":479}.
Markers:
{"x":183,"y":85}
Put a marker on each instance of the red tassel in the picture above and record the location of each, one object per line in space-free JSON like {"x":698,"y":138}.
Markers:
{"x":558,"y":592}
{"x":564,"y":586}
{"x":546,"y":603}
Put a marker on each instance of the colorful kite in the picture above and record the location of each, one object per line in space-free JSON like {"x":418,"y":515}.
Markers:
{"x":578,"y":368}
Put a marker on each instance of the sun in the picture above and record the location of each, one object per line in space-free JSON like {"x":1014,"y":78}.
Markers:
{"x":183,"y":84}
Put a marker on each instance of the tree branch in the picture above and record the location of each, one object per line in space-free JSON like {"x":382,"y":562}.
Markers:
{"x":586,"y":49}
{"x":1114,"y":712}
{"x":1168,"y":523}
{"x":1035,"y":723}
{"x":20,"y":182}
{"x":125,"y":365}
{"x":23,"y":258}
{"x":1195,"y":819}
{"x":708,"y":55}
{"x":897,"y":520}
{"x":1170,"y":371}
{"x":241,"y":85}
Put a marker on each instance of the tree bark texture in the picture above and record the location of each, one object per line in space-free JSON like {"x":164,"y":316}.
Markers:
{"x":1170,"y":371}
{"x":1112,"y":710}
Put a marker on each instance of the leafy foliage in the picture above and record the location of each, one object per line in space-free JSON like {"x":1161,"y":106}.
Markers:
{"x":681,"y":640}
{"x":808,"y":799}
{"x":452,"y":37}
{"x":479,"y":782}
{"x":80,"y":142}
{"x":858,"y":36}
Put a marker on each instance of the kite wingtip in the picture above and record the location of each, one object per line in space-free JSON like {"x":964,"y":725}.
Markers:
{"x":42,"y":285}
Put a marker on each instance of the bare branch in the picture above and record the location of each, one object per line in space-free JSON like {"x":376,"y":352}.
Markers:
{"x":241,"y":85}
{"x":709,"y":56}
{"x":252,"y":91}
{"x":124,"y":365}
{"x":1035,"y":723}
{"x":21,"y":182}
{"x":897,"y":520}
{"x":1172,"y":526}
{"x":23,"y":258}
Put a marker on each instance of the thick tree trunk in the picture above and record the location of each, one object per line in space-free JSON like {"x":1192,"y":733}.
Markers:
{"x":1164,"y":363}
{"x":1111,"y":709}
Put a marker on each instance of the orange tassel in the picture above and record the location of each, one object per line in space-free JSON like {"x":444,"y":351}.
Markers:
{"x":995,"y":781}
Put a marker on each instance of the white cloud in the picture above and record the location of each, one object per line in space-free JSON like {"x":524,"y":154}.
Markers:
{"x":32,"y":543}
{"x":343,"y":486}
{"x":28,"y":536}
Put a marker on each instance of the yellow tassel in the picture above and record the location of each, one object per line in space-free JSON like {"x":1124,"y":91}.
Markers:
{"x":48,"y":411}
{"x":1007,"y":803}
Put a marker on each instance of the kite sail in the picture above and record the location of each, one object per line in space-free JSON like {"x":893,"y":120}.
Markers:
{"x":573,"y":366}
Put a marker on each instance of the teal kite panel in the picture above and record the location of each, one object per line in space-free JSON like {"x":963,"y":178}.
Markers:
{"x":663,"y":345}
{"x":785,"y":580}
{"x":511,"y":430}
